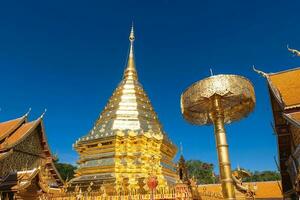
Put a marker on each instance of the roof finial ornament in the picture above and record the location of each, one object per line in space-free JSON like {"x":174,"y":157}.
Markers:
{"x":260,"y":72}
{"x":43,"y":114}
{"x":181,"y":148}
{"x":211,"y":72}
{"x":295,"y":52}
{"x":26,"y":114}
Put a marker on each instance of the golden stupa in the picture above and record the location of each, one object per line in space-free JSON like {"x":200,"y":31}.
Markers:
{"x":127,"y":144}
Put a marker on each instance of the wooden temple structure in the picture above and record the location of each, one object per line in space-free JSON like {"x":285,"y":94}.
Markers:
{"x":284,"y":90}
{"x":27,"y":168}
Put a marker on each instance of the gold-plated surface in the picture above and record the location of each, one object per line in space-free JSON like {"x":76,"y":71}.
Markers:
{"x":127,"y":141}
{"x":238,"y":98}
{"x":249,"y":189}
{"x":222,"y":148}
{"x":217,"y":100}
{"x":129,"y":108}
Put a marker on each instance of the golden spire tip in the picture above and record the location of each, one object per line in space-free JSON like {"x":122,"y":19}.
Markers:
{"x":131,"y":36}
{"x":130,"y":68}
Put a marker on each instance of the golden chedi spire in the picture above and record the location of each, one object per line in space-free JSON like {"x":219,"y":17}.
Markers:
{"x":129,"y":108}
{"x":127,"y":142}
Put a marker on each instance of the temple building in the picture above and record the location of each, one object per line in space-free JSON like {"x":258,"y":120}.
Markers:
{"x":266,"y":190}
{"x":127,"y":144}
{"x":27,"y":168}
{"x":284,"y":90}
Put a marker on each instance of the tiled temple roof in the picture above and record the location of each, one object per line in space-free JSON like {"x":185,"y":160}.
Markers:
{"x":14,"y":131}
{"x":293,"y":118}
{"x":288,"y":85}
{"x":8,"y":127}
{"x":285,"y":86}
{"x":18,"y":135}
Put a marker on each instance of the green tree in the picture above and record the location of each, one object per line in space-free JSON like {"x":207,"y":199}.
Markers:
{"x":201,"y":171}
{"x":204,"y":173}
{"x":258,"y":176}
{"x":65,"y":170}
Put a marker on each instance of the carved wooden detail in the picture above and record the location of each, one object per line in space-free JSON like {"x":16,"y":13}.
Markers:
{"x":26,"y":155}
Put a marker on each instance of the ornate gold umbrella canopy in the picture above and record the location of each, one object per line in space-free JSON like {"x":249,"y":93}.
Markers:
{"x":217,"y":100}
{"x":236,"y":96}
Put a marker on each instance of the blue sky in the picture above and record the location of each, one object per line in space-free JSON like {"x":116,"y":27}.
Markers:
{"x":68,"y":57}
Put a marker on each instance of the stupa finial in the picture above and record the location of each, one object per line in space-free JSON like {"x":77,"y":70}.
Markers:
{"x":130,"y":71}
{"x":131,"y":39}
{"x":181,"y":148}
{"x":131,"y":36}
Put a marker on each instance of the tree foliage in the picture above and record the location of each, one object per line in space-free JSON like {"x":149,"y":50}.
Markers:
{"x":65,"y":170}
{"x":204,"y":173}
{"x":201,"y":171}
{"x":258,"y":176}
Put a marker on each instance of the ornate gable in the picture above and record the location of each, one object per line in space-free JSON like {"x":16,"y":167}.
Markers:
{"x":23,"y":150}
